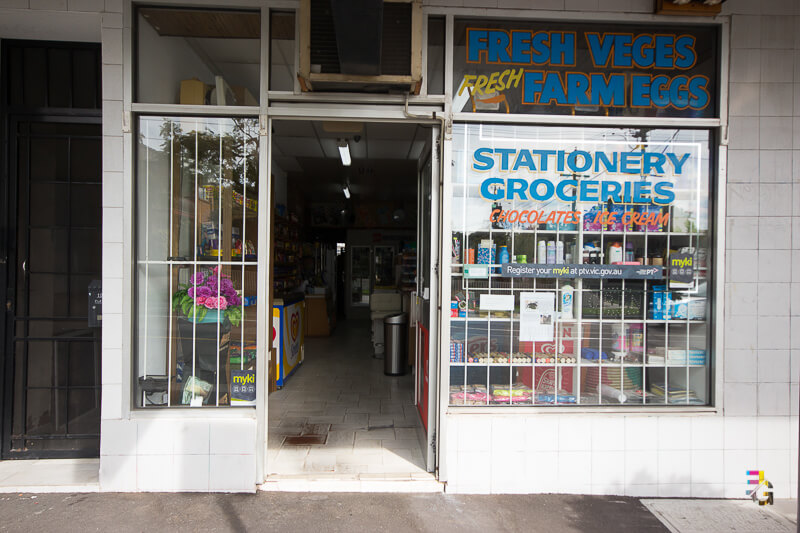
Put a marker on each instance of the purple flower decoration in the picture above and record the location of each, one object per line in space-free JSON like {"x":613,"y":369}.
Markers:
{"x":190,"y":292}
{"x":205,"y":292}
{"x":198,"y":278}
{"x":235,"y":300}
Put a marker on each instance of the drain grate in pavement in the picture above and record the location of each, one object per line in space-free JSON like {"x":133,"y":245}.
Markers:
{"x":304,"y":440}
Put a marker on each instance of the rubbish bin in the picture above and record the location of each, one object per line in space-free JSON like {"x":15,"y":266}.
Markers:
{"x":395,"y":339}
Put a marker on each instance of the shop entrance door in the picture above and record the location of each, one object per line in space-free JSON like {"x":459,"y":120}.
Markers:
{"x":51,"y":250}
{"x":427,"y":311}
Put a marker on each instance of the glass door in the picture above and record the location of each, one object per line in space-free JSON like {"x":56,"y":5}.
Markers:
{"x":360,"y":275}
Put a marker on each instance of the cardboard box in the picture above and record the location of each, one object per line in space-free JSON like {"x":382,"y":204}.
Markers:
{"x":193,"y":92}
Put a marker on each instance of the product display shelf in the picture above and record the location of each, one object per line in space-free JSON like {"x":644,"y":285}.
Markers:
{"x":663,"y":239}
{"x":288,"y":254}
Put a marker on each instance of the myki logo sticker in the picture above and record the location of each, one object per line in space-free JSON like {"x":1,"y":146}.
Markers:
{"x":295,"y":325}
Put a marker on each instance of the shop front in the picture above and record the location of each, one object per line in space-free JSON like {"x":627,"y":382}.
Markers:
{"x":585,"y":219}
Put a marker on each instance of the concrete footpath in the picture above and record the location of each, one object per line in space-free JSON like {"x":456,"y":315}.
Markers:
{"x":350,"y":512}
{"x":317,"y":512}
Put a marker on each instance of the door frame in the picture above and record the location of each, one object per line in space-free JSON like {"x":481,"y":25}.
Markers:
{"x":307,"y":111}
{"x":9,"y":183}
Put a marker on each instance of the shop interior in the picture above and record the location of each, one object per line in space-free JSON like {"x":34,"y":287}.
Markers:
{"x":345,"y":206}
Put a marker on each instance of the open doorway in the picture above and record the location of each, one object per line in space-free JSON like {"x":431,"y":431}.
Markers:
{"x":348,"y":204}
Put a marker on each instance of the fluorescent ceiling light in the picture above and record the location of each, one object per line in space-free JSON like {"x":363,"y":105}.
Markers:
{"x":346,"y":191}
{"x":344,"y":152}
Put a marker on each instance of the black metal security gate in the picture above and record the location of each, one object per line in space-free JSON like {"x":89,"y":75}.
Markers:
{"x":52,"y":243}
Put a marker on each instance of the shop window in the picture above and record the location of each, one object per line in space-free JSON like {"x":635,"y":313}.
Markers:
{"x":581,"y":267}
{"x":196,"y":261}
{"x":198,"y":56}
{"x":281,"y":51}
{"x":436,"y":42}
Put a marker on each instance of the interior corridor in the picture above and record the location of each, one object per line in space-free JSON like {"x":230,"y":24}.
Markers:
{"x":340,"y":415}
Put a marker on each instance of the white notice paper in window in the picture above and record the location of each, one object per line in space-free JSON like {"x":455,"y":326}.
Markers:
{"x":537,"y":316}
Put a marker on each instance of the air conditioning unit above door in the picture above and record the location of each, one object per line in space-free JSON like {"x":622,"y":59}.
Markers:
{"x":361,"y":45}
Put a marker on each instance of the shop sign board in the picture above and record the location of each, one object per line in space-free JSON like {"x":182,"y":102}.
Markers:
{"x":544,"y":67}
{"x":243,"y":387}
{"x":582,"y":271}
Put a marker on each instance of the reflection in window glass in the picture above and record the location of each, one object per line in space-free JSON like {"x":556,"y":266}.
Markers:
{"x":198,"y":56}
{"x":281,"y":51}
{"x":436,"y":40}
{"x":197,"y":229}
{"x":581,"y":266}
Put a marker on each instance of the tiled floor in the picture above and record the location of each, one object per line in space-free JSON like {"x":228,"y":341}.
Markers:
{"x":369,"y":423}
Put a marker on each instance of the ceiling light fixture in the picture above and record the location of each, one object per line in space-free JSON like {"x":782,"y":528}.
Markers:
{"x":344,"y":152}
{"x":346,"y":191}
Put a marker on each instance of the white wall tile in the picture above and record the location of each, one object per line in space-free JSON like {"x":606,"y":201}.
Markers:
{"x":507,"y":472}
{"x":775,"y":233}
{"x":674,"y":466}
{"x":708,"y":490}
{"x":232,"y":436}
{"x":16,"y":4}
{"x":708,"y":432}
{"x":674,"y":433}
{"x":774,"y":433}
{"x":117,"y":473}
{"x":776,"y":66}
{"x":155,"y":437}
{"x":773,"y":332}
{"x":773,"y":399}
{"x":775,"y":166}
{"x":777,"y":32}
{"x":234,"y":473}
{"x":112,"y":20}
{"x":641,"y":433}
{"x":113,"y":230}
{"x":774,"y":266}
{"x":745,"y":31}
{"x":154,"y":473}
{"x":743,"y":166}
{"x":112,"y":330}
{"x":742,"y":299}
{"x":474,"y":434}
{"x":574,"y":434}
{"x":542,"y":470}
{"x":775,"y":133}
{"x":112,"y":263}
{"x":608,"y":468}
{"x":191,"y":472}
{"x":777,"y":99}
{"x":744,"y":133}
{"x":113,"y":190}
{"x":87,"y":5}
{"x":682,"y":490}
{"x":736,"y":465}
{"x":541,"y":433}
{"x":192,"y":437}
{"x":743,"y":265}
{"x":775,"y":200}
{"x":740,"y":432}
{"x":608,"y":433}
{"x":742,"y":199}
{"x":775,"y":465}
{"x":581,"y":5}
{"x":52,"y":5}
{"x":741,"y":331}
{"x":111,"y":365}
{"x":740,"y":399}
{"x":508,"y":434}
{"x":746,"y":65}
{"x":118,"y":437}
{"x":641,"y":468}
{"x":113,"y":6}
{"x":741,"y":366}
{"x":707,"y":466}
{"x":112,"y":154}
{"x":111,"y":404}
{"x":574,"y":472}
{"x":774,"y":299}
{"x":774,"y":366}
{"x":112,"y":84}
{"x":474,"y":472}
{"x":646,"y":490}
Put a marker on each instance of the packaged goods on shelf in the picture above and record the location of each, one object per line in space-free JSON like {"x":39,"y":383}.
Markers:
{"x":456,"y":351}
{"x":675,"y":394}
{"x":516,"y":393}
{"x":468,"y":395}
